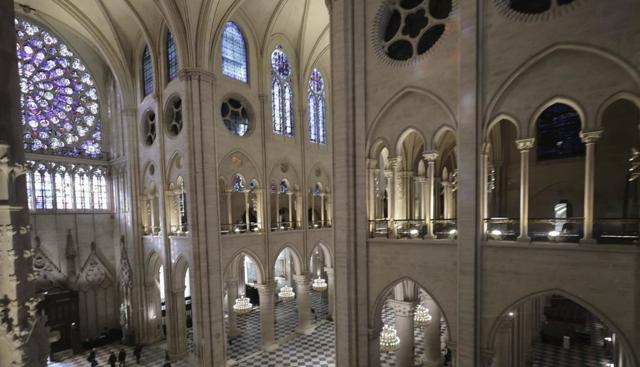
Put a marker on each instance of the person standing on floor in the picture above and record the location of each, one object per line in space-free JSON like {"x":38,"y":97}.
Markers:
{"x":122,"y":357}
{"x":138,"y":353}
{"x":92,"y":355}
{"x":112,"y":359}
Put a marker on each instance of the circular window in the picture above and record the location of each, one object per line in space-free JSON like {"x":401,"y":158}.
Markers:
{"x":533,"y":9}
{"x":174,"y":116}
{"x":409,"y":28}
{"x":149,"y":128}
{"x":235,"y":116}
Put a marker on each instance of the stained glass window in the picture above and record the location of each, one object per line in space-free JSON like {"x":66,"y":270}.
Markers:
{"x":235,"y":116}
{"x":99,"y":189}
{"x":30,"y":189}
{"x":147,"y":72}
{"x":172,"y":58}
{"x":317,"y":123}
{"x":281,"y":93}
{"x":64,"y":189}
{"x":234,"y":53}
{"x":238,"y":183}
{"x":38,"y":190}
{"x":284,"y":186}
{"x":82,"y":189}
{"x":559,"y":133}
{"x":59,"y":100}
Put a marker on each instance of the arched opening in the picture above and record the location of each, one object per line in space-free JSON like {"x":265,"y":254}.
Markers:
{"x":242,"y":307}
{"x":552,"y":328}
{"x":617,"y":167}
{"x":445,"y":182}
{"x":182,"y":319}
{"x":284,"y":203}
{"x":292,"y":290}
{"x":556,"y":175}
{"x":502,"y":180}
{"x":410,"y":328}
{"x":155,"y":292}
{"x":322,"y":278}
{"x":410,"y":188}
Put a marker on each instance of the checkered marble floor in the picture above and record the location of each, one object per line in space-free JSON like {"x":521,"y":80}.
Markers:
{"x":389,"y":359}
{"x":286,"y":318}
{"x":152,"y":355}
{"x":592,"y":355}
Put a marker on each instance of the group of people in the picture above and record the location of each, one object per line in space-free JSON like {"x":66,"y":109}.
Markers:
{"x":121,"y":358}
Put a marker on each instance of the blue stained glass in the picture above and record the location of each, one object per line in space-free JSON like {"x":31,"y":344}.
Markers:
{"x":238,"y":183}
{"x":284,"y":186}
{"x":59,"y":102}
{"x":281,"y":93}
{"x":234,"y":53}
{"x":172,"y":58}
{"x":317,"y":115}
{"x":147,"y":72}
{"x":559,"y":133}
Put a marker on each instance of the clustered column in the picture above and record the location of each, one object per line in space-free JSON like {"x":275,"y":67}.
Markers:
{"x":232,"y":294}
{"x":331,"y":292}
{"x":524,"y":146}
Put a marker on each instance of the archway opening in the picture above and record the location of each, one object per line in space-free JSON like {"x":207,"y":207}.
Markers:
{"x":412,"y":328}
{"x":552,"y":329}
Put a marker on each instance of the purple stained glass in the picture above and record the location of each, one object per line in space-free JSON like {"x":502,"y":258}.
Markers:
{"x":281,"y":93}
{"x":316,"y":107}
{"x":280,"y":63}
{"x":58,"y":94}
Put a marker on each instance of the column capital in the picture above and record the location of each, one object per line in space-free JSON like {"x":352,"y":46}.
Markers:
{"x":388,"y":173}
{"x":420,"y":179}
{"x":231,"y":283}
{"x":402,"y":308}
{"x":196,"y":73}
{"x":395,"y":162}
{"x":590,"y":137}
{"x":328,"y":270}
{"x":431,"y":156}
{"x":525,"y":144}
{"x":374,"y":332}
{"x":372,"y":163}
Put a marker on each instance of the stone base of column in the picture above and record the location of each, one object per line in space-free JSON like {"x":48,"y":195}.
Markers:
{"x":588,"y":241}
{"x":233,"y":333}
{"x":231,"y":363}
{"x":270,"y":347}
{"x":329,"y":318}
{"x":305,"y":330}
{"x":526,"y":239}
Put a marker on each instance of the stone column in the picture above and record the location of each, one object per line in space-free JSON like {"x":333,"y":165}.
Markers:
{"x":299,"y":209}
{"x":424,"y":203}
{"x":331,"y":291}
{"x":504,"y":345}
{"x":232,"y":294}
{"x":484,"y":194}
{"x":395,"y":209}
{"x":229,"y":213}
{"x":290,"y":208}
{"x":259,"y":208}
{"x":329,"y":209}
{"x":313,"y":209}
{"x":371,"y":188}
{"x":277,"y":209}
{"x":303,"y":301}
{"x":431,"y":158}
{"x":589,"y":139}
{"x":267,"y":327}
{"x":524,"y":146}
{"x":247,"y":207}
{"x":447,"y":188}
{"x":178,"y":342}
{"x":432,"y":353}
{"x":404,"y":312}
{"x":388,"y":176}
{"x":322,"y":215}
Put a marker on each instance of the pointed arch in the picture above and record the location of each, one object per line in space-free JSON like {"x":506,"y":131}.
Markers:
{"x":326,"y":251}
{"x":298,"y":266}
{"x":233,"y":264}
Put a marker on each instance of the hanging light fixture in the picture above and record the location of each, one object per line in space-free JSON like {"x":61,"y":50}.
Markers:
{"x":389,"y":340}
{"x":286,"y":293}
{"x":242,"y":306}
{"x":319,"y":284}
{"x":421,"y":318}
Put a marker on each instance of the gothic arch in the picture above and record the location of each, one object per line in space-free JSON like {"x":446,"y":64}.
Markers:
{"x":233,"y":263}
{"x":326,"y":251}
{"x":623,"y":95}
{"x":180,"y":269}
{"x":298,"y":264}
{"x":532,"y":130}
{"x":493,"y":123}
{"x":490,"y":342}
{"x":375,"y":312}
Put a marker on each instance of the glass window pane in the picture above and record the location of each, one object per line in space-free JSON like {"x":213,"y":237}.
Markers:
{"x":234,"y":53}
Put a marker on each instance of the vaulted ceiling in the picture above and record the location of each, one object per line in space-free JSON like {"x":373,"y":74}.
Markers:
{"x":117,"y":29}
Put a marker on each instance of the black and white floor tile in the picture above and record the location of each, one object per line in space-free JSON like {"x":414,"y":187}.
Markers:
{"x":152,"y":356}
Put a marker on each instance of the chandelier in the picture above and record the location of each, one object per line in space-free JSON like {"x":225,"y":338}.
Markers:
{"x":319,"y":284}
{"x":286,"y":293}
{"x":242,"y":306}
{"x":389,"y":340}
{"x":422,"y":318}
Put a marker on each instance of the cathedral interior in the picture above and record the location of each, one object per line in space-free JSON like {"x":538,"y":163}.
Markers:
{"x":368,"y":183}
